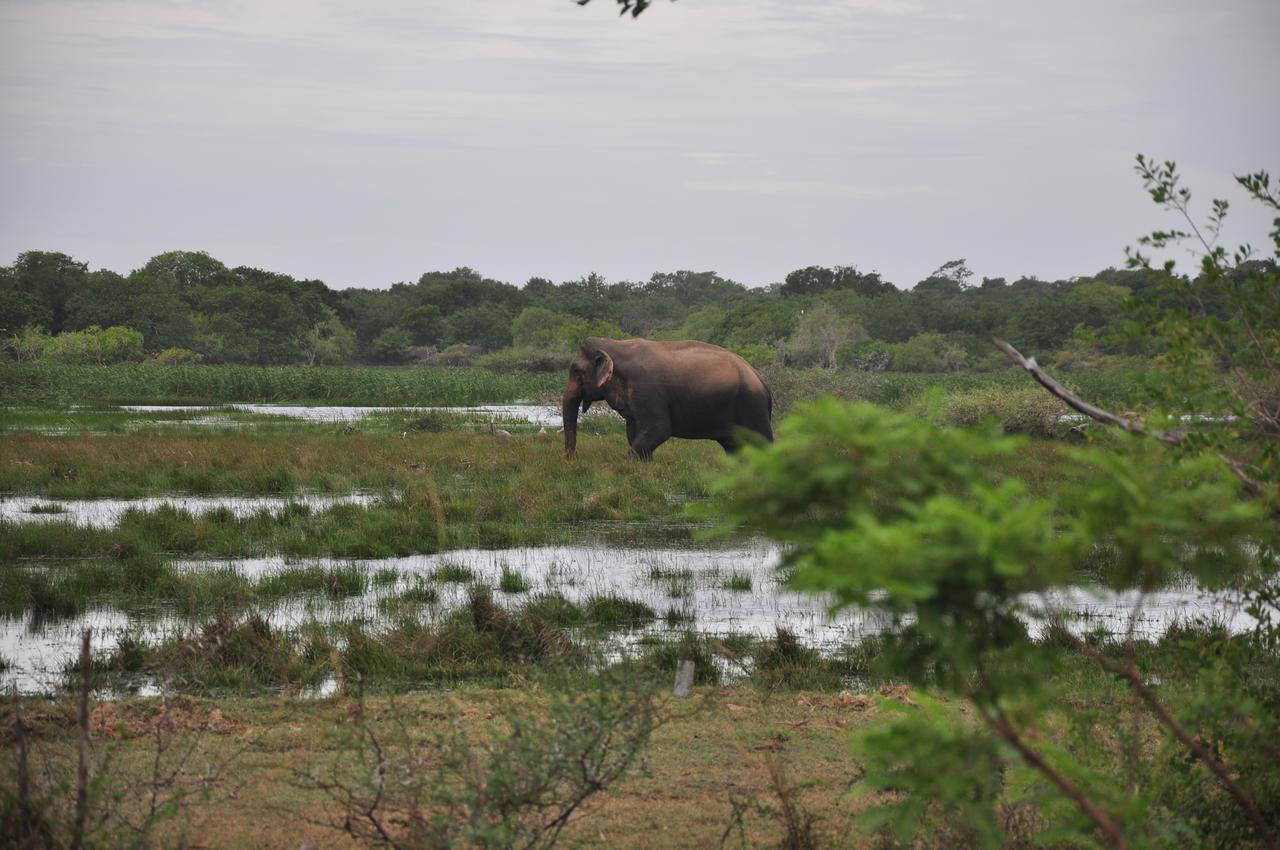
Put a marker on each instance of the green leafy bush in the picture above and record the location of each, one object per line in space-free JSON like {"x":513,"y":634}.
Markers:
{"x":888,"y":512}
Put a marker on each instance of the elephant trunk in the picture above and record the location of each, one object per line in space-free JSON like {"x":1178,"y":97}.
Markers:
{"x":569,"y":411}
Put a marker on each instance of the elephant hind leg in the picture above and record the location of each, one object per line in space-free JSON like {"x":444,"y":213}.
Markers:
{"x":729,"y":444}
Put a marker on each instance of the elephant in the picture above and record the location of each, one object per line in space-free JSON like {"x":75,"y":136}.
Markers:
{"x":679,"y":388}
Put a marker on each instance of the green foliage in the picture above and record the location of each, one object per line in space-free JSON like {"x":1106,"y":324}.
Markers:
{"x":391,"y":346}
{"x":92,"y":345}
{"x":328,"y":341}
{"x":571,"y":333}
{"x":1217,"y":334}
{"x":758,"y":356}
{"x":888,"y":512}
{"x":820,"y":333}
{"x":524,"y":360}
{"x":189,"y":300}
{"x":1025,"y":409}
{"x":536,"y":327}
{"x":928,"y":352}
{"x":176,"y":357}
{"x":938,"y":776}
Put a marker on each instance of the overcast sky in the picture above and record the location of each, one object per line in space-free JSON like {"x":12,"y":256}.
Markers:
{"x":364,"y":143}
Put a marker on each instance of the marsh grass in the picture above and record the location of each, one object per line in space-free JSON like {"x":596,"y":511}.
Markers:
{"x":408,"y":600}
{"x":335,"y":583}
{"x":738,"y":582}
{"x":511,"y":581}
{"x":452,"y":573}
{"x":385,"y":577}
{"x":611,"y":612}
{"x":46,"y":509}
{"x":675,"y":617}
{"x":899,"y":389}
{"x":50,"y":383}
{"x":662,"y":655}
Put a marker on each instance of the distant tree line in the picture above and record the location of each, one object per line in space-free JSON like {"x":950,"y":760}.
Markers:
{"x":186,"y":306}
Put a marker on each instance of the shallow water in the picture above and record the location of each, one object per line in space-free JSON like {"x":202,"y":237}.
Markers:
{"x":106,"y":513}
{"x":539,"y":414}
{"x":687,"y":580}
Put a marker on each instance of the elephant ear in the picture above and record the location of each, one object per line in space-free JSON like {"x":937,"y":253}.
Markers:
{"x":604,"y":368}
{"x":602,"y":361}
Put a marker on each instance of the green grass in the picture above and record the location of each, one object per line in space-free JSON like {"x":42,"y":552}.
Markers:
{"x":899,"y":389}
{"x":385,"y":577}
{"x":738,"y":582}
{"x":611,"y":612}
{"x":335,"y":583}
{"x":46,"y":509}
{"x":57,"y":384}
{"x":451,"y":573}
{"x":512,"y":582}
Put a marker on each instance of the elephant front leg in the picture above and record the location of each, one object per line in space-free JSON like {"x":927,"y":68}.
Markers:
{"x":647,"y":438}
{"x":631,"y":431}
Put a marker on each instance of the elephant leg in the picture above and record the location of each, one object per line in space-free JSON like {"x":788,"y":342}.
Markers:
{"x":648,"y":437}
{"x":729,"y":444}
{"x":631,"y":431}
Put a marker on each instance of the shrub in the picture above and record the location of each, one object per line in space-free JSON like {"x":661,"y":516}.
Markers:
{"x":928,"y":352}
{"x":176,"y":357}
{"x":1019,"y":410}
{"x":513,"y":786}
{"x":458,"y":354}
{"x":870,"y":355}
{"x":757,"y":355}
{"x":523,"y":359}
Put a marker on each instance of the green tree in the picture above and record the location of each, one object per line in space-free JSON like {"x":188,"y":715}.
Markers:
{"x":819,"y":335}
{"x":485,"y":325}
{"x":19,"y":310}
{"x":536,"y":327}
{"x":425,"y":324}
{"x":328,"y":341}
{"x":50,"y":280}
{"x":121,"y":345}
{"x":890,"y":513}
{"x":391,"y":346}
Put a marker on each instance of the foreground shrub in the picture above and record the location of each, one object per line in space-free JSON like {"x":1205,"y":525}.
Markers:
{"x":514,"y":783}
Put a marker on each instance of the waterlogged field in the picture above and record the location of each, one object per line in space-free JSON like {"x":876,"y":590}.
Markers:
{"x":156,"y":523}
{"x":255,"y":575}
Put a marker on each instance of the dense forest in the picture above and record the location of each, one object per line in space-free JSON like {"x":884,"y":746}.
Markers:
{"x":186,"y":306}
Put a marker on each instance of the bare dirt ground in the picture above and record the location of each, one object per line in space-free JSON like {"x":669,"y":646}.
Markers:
{"x":709,"y":777}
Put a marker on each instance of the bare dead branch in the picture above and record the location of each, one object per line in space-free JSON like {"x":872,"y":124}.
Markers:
{"x":1133,"y":426}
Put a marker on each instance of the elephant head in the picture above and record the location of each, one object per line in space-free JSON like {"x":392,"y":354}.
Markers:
{"x":589,"y":376}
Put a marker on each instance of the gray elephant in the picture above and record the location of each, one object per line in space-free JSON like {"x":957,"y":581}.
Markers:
{"x":663,"y":389}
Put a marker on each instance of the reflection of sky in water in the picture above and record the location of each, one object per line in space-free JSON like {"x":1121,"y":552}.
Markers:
{"x":685,"y":580}
{"x":539,"y":414}
{"x":106,"y":513}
